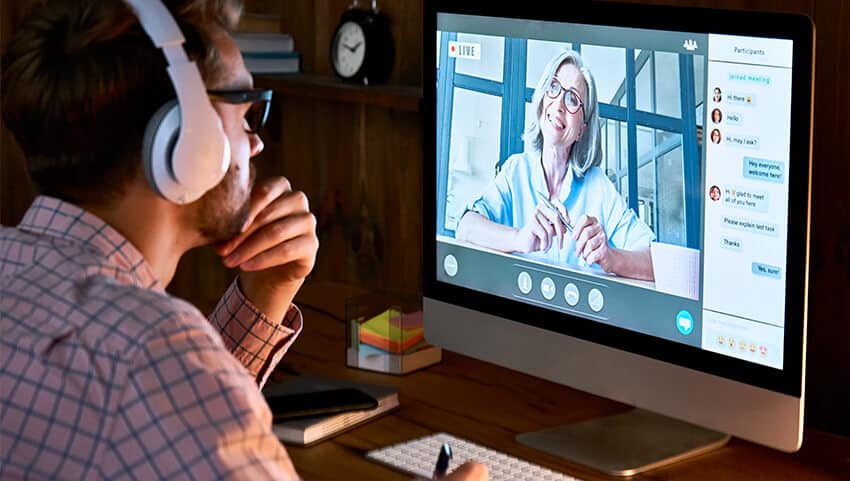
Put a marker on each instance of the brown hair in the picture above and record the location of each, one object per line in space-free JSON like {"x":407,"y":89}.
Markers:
{"x":80,"y":79}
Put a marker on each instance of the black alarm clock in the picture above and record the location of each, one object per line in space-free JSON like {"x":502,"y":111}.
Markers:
{"x":362,"y":48}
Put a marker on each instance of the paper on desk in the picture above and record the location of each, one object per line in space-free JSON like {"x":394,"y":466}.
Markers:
{"x":676,"y":269}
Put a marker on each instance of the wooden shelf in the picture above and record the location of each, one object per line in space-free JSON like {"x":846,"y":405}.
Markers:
{"x":398,"y":97}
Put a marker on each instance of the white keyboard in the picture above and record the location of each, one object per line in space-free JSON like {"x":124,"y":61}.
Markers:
{"x":419,"y":457}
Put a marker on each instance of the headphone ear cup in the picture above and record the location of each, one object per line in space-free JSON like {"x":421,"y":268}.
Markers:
{"x":161,"y":136}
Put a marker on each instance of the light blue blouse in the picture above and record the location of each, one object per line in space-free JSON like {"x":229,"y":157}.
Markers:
{"x":513,"y":195}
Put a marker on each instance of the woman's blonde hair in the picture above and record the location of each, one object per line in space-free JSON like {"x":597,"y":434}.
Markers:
{"x":586,"y":152}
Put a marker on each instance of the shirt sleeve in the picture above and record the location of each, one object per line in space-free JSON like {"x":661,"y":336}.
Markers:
{"x":495,"y":202}
{"x":190,"y":411}
{"x":257,"y":342}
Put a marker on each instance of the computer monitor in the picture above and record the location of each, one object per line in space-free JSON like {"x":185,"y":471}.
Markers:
{"x":617,"y":199}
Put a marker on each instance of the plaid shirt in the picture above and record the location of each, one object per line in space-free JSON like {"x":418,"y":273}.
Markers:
{"x":103,"y":375}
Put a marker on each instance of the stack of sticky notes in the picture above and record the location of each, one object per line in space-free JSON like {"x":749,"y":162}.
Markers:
{"x":393,"y":331}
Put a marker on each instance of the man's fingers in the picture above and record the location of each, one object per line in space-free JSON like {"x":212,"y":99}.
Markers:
{"x":286,"y":204}
{"x":300,"y":247}
{"x":469,"y":471}
{"x":265,"y":193}
{"x":270,"y":235}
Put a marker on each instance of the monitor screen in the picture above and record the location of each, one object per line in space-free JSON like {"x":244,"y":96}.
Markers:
{"x":687,"y":175}
{"x":637,"y":186}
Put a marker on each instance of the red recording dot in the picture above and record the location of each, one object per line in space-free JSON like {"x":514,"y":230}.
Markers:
{"x":453,"y":48}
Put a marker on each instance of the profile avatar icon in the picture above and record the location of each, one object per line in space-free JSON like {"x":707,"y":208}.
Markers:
{"x":716,"y":116}
{"x":717,"y":94}
{"x":715,"y":136}
{"x":714,"y":193}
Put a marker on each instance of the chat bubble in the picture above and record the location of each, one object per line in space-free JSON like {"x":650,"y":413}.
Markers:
{"x":734,"y":118}
{"x":749,"y":77}
{"x":740,"y":98}
{"x":731,"y":243}
{"x":746,"y":141}
{"x":750,"y":199}
{"x":765,"y":270}
{"x":763,"y":169}
{"x":685,"y":322}
{"x":746,"y":225}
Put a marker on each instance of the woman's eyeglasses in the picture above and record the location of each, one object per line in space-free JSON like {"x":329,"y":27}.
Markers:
{"x":258,"y":112}
{"x":572,"y":100}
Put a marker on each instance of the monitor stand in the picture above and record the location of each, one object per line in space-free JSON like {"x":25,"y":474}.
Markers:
{"x":625,"y":444}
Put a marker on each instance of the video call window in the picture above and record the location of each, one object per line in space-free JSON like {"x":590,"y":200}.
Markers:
{"x":650,"y":148}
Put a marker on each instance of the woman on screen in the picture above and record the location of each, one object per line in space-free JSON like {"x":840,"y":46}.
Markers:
{"x":553,"y":202}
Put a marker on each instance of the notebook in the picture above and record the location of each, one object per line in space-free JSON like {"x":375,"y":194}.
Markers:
{"x":310,"y":430}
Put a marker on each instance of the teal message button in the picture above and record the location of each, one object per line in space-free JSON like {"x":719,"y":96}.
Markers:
{"x":763,"y":169}
{"x":766,"y":270}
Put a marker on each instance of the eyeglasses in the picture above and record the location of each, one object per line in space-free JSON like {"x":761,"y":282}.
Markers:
{"x":572,"y":100}
{"x":258,"y":112}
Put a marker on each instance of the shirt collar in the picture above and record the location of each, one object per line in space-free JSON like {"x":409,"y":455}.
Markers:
{"x":57,"y":218}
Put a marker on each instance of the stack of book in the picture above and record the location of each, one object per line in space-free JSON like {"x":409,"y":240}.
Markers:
{"x":268,"y":52}
{"x":309,"y":430}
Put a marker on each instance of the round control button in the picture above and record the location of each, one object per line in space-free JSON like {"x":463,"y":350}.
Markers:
{"x":685,"y":322}
{"x":524,"y":282}
{"x":450,"y":265}
{"x":571,"y":294}
{"x":547,"y":288}
{"x":595,"y":300}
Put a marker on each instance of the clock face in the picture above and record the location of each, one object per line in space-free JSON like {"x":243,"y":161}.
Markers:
{"x":349,"y":49}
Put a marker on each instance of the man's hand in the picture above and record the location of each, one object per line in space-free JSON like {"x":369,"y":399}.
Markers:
{"x":277,"y":247}
{"x":469,"y":471}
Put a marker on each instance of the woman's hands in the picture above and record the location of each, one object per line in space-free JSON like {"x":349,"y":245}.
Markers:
{"x":544,"y":226}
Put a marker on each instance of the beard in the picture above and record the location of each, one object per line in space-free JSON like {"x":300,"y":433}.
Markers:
{"x":224,"y":209}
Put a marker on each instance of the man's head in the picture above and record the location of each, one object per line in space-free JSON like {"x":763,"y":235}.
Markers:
{"x":81,"y":79}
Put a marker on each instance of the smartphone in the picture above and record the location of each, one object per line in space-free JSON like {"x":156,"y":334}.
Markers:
{"x":317,"y":403}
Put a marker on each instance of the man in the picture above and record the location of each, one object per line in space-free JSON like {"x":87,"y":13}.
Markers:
{"x":104,"y":375}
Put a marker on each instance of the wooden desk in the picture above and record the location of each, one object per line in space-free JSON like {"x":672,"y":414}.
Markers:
{"x":489,"y":405}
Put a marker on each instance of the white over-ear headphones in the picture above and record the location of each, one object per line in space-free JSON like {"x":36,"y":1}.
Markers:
{"x":185,"y":152}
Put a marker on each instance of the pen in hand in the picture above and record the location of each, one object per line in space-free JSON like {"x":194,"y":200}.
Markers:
{"x":549,"y":204}
{"x":443,"y":461}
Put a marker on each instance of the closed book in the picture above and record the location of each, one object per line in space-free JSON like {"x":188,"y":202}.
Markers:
{"x":264,"y":42}
{"x":272,"y":62}
{"x":310,"y":430}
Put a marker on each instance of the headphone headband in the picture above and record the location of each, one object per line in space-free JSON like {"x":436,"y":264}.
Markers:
{"x":201,"y":155}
